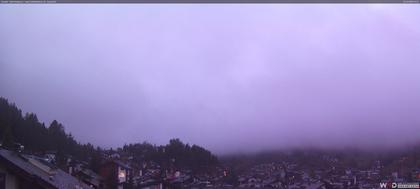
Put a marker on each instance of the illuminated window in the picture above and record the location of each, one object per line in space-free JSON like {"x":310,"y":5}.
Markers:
{"x":121,"y":174}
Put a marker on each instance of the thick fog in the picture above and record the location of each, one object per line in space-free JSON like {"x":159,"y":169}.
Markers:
{"x":228,"y":77}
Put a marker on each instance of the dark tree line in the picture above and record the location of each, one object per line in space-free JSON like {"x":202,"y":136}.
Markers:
{"x":176,"y":154}
{"x":36,"y":137}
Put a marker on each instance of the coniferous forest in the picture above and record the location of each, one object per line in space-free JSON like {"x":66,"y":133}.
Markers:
{"x":18,"y":128}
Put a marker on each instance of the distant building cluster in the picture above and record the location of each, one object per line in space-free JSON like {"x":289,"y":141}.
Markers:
{"x":26,"y":171}
{"x":292,"y":176}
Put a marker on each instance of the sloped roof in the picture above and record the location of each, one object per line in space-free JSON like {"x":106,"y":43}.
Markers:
{"x":121,"y":164}
{"x":34,"y":167}
{"x":94,"y":178}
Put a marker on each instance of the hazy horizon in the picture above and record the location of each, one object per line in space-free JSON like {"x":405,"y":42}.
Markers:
{"x":231,"y":78}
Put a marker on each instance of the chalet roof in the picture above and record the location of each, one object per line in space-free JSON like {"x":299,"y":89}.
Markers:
{"x":34,"y":168}
{"x":121,"y":164}
{"x":94,"y":178}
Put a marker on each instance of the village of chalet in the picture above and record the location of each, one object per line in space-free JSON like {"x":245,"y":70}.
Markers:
{"x":119,"y":170}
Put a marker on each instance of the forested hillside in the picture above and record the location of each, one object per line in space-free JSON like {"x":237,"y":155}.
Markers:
{"x":35,"y":136}
{"x":38,"y":138}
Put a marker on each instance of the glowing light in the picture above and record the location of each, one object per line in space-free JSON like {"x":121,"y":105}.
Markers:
{"x":121,"y":174}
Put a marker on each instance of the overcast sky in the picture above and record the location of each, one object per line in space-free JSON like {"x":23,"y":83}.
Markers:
{"x":227,"y":77}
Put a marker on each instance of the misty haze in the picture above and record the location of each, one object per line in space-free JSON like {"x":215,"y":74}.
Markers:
{"x":247,"y":87}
